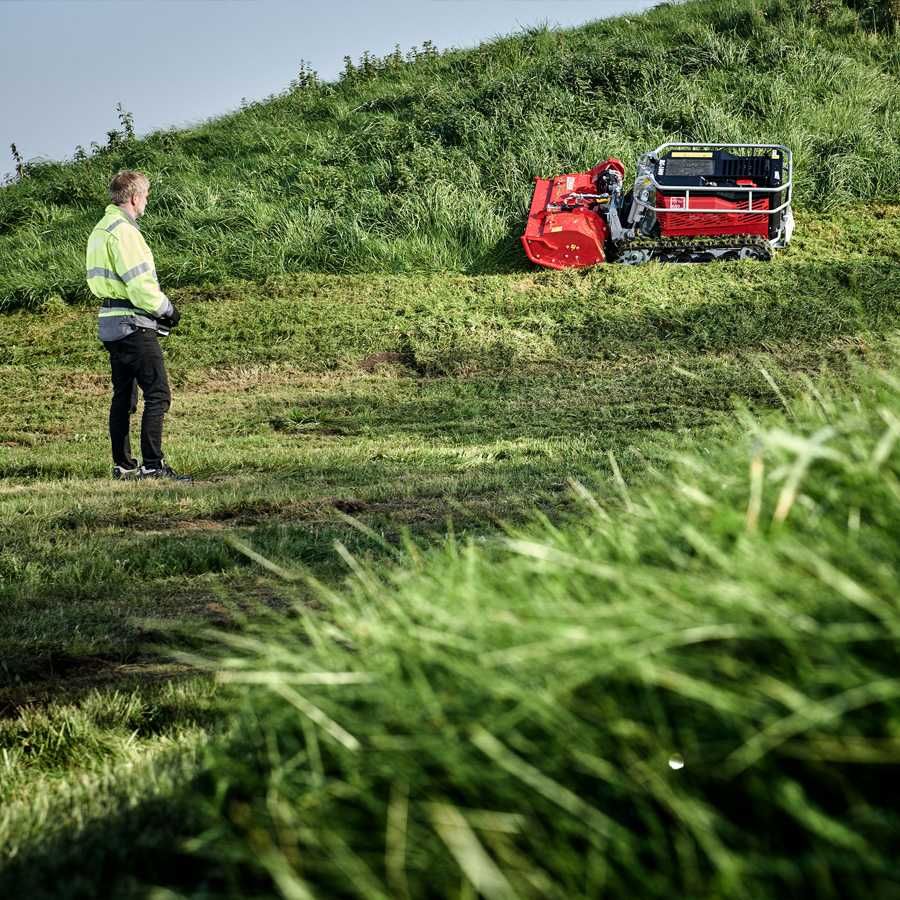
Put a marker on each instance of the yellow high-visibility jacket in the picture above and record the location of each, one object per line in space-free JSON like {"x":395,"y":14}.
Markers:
{"x":121,"y":271}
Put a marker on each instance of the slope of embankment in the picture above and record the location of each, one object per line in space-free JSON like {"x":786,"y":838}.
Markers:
{"x":427,"y":165}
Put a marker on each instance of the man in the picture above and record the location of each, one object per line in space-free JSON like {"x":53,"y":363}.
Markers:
{"x":135,"y":312}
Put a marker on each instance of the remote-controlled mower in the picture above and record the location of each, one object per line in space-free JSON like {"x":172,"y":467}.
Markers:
{"x":689,"y":203}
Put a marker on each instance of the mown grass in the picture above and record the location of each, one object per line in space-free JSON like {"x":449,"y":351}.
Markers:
{"x":96,"y":575}
{"x":404,"y":401}
{"x":285,"y":463}
{"x":450,"y":324}
{"x":648,"y":625}
{"x":515,"y":700}
{"x":693,"y":692}
{"x":85,"y":778}
{"x":428,"y":166}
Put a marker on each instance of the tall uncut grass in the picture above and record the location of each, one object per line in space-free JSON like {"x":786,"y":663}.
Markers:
{"x":694,"y":694}
{"x":427,"y":164}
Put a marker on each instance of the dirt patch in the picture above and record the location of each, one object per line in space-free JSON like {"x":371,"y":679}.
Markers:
{"x":246,"y":379}
{"x":318,"y":510}
{"x":323,"y":510}
{"x":386,"y":358}
{"x":350,"y":505}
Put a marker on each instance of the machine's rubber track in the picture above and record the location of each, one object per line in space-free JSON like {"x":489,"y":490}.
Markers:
{"x":691,"y":250}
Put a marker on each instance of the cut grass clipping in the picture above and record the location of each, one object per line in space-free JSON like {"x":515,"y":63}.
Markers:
{"x":694,"y":694}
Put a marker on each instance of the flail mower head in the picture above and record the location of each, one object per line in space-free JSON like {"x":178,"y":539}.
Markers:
{"x":689,"y":203}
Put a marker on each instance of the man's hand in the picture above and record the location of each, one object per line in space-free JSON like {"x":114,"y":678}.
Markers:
{"x":172,"y":320}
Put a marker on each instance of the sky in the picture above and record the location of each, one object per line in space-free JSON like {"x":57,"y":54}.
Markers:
{"x":65,"y":64}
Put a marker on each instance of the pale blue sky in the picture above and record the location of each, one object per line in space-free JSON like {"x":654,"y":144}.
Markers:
{"x":64,"y":64}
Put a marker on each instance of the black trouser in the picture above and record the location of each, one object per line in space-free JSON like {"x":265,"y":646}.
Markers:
{"x":137,"y":361}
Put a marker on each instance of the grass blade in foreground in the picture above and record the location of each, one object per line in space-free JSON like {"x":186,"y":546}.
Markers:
{"x":696,"y":696}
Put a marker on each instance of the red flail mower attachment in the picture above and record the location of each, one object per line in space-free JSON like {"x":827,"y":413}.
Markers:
{"x":689,"y":203}
{"x":566,"y":226}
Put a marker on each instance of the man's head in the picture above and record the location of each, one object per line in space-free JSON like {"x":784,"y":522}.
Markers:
{"x":129,"y":191}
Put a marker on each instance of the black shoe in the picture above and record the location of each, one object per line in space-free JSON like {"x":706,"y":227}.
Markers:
{"x":126,"y":473}
{"x":163,"y":471}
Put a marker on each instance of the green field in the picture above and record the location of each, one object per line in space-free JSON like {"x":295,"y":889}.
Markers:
{"x":491,"y":545}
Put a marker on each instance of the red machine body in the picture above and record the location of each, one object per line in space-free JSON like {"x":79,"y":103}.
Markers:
{"x":735,"y":217}
{"x":563,"y":228}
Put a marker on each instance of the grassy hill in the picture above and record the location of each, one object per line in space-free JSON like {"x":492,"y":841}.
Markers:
{"x":698,"y":467}
{"x":427,"y":166}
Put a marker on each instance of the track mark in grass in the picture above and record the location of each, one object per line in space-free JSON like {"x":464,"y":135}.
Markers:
{"x":81,"y":676}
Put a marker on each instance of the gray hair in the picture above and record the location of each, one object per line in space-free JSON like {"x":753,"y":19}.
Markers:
{"x":126,"y":184}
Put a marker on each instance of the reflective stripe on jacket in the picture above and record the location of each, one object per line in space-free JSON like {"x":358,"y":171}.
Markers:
{"x":121,"y":271}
